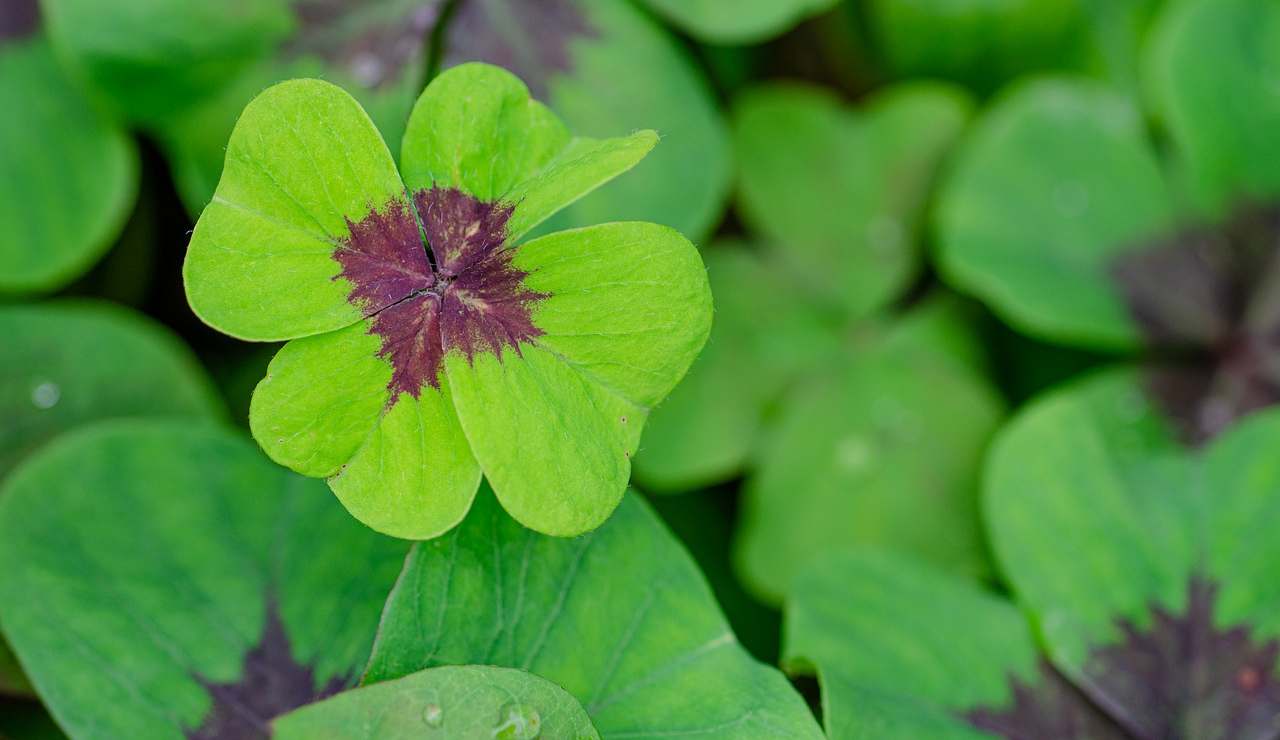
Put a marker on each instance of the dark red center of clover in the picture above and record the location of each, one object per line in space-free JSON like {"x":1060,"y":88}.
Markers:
{"x":1179,"y":677}
{"x":271,"y":683}
{"x":460,"y":293}
{"x":18,"y":19}
{"x":1209,"y":299}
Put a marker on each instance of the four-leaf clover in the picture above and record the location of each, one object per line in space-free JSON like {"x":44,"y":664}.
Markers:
{"x":429,"y":345}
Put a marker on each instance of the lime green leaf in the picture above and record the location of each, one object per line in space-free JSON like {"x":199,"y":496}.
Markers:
{"x":1056,"y":181}
{"x":869,"y":625}
{"x":881,"y":448}
{"x":204,"y":590}
{"x":69,"y":363}
{"x":70,"y":173}
{"x":303,"y":163}
{"x":460,"y":701}
{"x":552,"y":351}
{"x":706,"y":430}
{"x":1210,"y":75}
{"x":799,"y":152}
{"x":648,"y":661}
{"x":734,"y":21}
{"x":581,"y":58}
{"x":477,"y":130}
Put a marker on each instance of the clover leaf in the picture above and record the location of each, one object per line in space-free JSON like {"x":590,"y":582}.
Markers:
{"x":429,"y":344}
{"x":464,"y":701}
{"x":620,"y":618}
{"x":1060,"y":215}
{"x":737,"y":22}
{"x":836,"y":424}
{"x":163,"y":579}
{"x":47,"y":388}
{"x":58,"y":152}
{"x":1146,"y":569}
{"x":581,"y":58}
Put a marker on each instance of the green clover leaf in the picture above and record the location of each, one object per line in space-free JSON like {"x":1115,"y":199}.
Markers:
{"x":1144,"y":576}
{"x":464,"y":701}
{"x":164,"y":579}
{"x":734,"y":22}
{"x":621,"y":618}
{"x":58,"y":151}
{"x":429,"y":345}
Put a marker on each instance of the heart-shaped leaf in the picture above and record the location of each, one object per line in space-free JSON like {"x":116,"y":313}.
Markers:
{"x":736,"y":21}
{"x":428,"y":346}
{"x":1055,"y":183}
{"x":455,"y":701}
{"x":605,"y":67}
{"x":799,"y":152}
{"x":619,"y":617}
{"x":1148,"y":572}
{"x":163,"y":579}
{"x":70,"y":172}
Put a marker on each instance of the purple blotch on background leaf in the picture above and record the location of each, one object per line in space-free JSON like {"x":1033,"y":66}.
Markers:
{"x":356,"y":36}
{"x":1180,"y":676}
{"x":465,"y":295}
{"x":271,"y":683}
{"x":19,"y":19}
{"x":531,"y":39}
{"x":1212,"y":295}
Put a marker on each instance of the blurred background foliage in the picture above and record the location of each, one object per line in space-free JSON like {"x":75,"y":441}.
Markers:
{"x":916,"y":215}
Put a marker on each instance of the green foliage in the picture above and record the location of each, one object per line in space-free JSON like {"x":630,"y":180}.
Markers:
{"x":551,"y":420}
{"x":620,"y":618}
{"x":462,"y":701}
{"x":736,"y":21}
{"x":167,"y":550}
{"x":70,"y":173}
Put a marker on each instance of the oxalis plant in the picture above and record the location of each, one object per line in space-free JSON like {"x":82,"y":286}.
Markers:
{"x":428,"y":343}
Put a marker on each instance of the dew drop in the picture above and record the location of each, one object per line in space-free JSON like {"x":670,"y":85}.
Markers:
{"x":45,"y":395}
{"x":853,"y":453}
{"x":518,"y":722}
{"x":433,"y":716}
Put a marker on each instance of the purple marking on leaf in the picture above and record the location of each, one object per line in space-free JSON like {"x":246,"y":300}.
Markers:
{"x":1178,"y":676}
{"x":1215,"y":293}
{"x":531,"y":39}
{"x":19,"y":19}
{"x":1048,"y":708}
{"x":474,"y":300}
{"x":375,"y":49}
{"x":271,"y":683}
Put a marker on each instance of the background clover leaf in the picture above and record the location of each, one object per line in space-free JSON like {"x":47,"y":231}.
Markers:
{"x":620,"y":618}
{"x":70,"y":171}
{"x":1142,"y":566}
{"x":205,"y":613}
{"x":721,"y":22}
{"x":465,"y":701}
{"x":428,"y":345}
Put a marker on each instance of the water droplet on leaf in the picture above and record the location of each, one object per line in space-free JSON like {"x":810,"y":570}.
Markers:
{"x":518,"y":722}
{"x":433,"y":716}
{"x":45,"y":395}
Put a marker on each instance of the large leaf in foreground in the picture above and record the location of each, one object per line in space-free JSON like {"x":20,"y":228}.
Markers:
{"x":429,"y":343}
{"x":70,"y":173}
{"x":838,"y":196}
{"x":881,"y":448}
{"x":70,"y":363}
{"x":605,"y":68}
{"x":619,"y":617}
{"x":454,"y":701}
{"x":163,"y":578}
